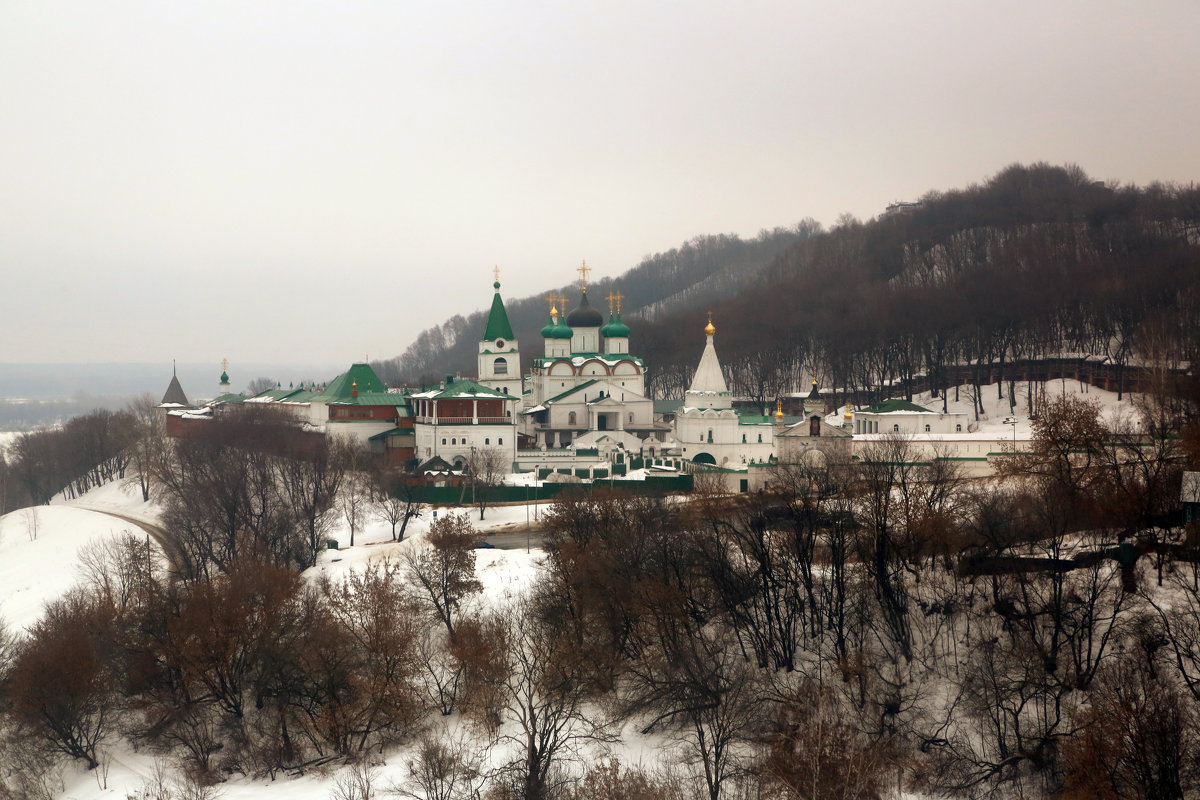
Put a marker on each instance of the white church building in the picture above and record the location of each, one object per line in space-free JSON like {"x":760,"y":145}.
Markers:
{"x":709,"y":431}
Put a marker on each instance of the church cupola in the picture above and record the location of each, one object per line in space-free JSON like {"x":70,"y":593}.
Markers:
{"x":223,"y":386}
{"x":499,"y":359}
{"x":616,"y":332}
{"x":584,"y":321}
{"x":556,"y":333}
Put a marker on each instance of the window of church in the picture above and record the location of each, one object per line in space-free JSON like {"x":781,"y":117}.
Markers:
{"x":760,"y":438}
{"x":500,"y":440}
{"x":895,"y":429}
{"x":487,"y":441}
{"x":454,"y":441}
{"x":500,"y":366}
{"x":958,"y":428}
{"x":443,"y":440}
{"x":927,"y":429}
{"x":743,"y":438}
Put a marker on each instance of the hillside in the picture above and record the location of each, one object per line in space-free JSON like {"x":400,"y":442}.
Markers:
{"x":698,"y":272}
{"x":1035,"y":261}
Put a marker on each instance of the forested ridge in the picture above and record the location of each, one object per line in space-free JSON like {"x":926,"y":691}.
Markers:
{"x":1036,"y":261}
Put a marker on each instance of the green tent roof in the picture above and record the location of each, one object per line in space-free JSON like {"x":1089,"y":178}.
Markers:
{"x":359,"y":376}
{"x":497,"y":325}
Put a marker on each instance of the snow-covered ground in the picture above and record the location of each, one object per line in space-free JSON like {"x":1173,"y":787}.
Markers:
{"x":37,"y":569}
{"x":996,"y":410}
{"x":39,"y":549}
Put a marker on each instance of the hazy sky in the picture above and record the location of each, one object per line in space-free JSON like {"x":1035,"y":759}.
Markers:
{"x":289,"y":181}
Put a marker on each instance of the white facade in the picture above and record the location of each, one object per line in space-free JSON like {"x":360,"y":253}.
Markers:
{"x":708,"y":430}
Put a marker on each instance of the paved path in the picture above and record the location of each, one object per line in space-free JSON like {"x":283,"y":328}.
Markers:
{"x":165,"y":541}
{"x":516,"y":540}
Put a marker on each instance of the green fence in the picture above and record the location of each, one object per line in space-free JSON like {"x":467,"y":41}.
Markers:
{"x":449,"y":495}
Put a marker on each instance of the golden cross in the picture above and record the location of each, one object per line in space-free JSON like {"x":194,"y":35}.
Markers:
{"x":614,"y":300}
{"x":583,"y":270}
{"x":551,"y":299}
{"x":224,"y":365}
{"x":496,"y":272}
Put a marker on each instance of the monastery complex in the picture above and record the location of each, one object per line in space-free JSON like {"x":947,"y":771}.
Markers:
{"x":583,"y":403}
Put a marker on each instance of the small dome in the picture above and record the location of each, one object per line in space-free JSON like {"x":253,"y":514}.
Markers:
{"x":555,"y":329}
{"x":709,"y":329}
{"x":224,"y":377}
{"x":584,"y":316}
{"x":615,"y":329}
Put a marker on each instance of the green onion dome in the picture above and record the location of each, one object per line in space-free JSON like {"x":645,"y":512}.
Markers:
{"x":615,"y":328}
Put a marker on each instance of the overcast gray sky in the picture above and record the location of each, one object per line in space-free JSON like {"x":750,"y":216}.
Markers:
{"x":291,"y":181}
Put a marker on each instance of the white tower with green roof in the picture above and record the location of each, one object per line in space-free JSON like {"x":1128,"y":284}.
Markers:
{"x":499,"y":356}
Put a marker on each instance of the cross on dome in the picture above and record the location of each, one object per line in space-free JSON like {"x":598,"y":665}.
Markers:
{"x":583,"y":271}
{"x":615,"y":299}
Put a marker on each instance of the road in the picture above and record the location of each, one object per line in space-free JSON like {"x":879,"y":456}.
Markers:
{"x":168,"y":545}
{"x":516,"y":540}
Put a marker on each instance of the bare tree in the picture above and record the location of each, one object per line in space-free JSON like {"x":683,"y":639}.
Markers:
{"x":485,"y":468}
{"x":542,"y":687}
{"x":354,"y":495}
{"x":149,"y":441}
{"x":399,"y":505}
{"x":445,"y":571}
{"x":260,"y":385}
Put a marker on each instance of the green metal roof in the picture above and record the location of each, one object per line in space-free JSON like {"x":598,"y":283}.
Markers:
{"x":359,"y":376}
{"x":227,"y":398}
{"x":373,"y":399}
{"x":497,"y":324}
{"x":461,"y":386}
{"x":570,"y":392}
{"x":895,"y":404}
{"x":541,"y":362}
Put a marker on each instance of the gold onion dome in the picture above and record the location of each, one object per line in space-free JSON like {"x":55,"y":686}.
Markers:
{"x":709,"y":330}
{"x":778,"y":409}
{"x":848,"y":413}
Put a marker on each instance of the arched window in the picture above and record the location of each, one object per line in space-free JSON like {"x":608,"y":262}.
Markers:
{"x":453,"y":441}
{"x":500,"y":440}
{"x":571,"y":418}
{"x":958,"y":428}
{"x":743,"y":438}
{"x":500,"y":366}
{"x":927,"y":429}
{"x":760,"y":438}
{"x":895,"y":429}
{"x":487,"y":441}
{"x":443,"y":440}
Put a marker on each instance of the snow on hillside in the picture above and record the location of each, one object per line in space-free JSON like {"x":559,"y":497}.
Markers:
{"x":996,"y":409}
{"x":39,"y":549}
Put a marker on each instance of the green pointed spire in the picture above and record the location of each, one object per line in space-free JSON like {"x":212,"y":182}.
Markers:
{"x":497,"y":325}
